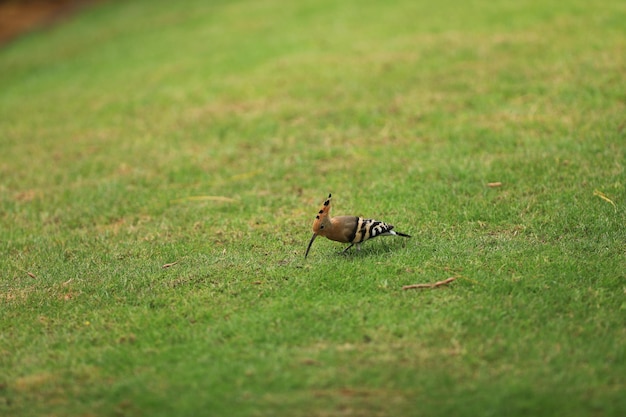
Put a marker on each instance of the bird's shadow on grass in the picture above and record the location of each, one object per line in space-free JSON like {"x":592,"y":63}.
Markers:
{"x":372,"y":249}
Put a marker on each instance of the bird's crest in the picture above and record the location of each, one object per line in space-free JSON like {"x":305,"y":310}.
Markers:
{"x":322,"y":215}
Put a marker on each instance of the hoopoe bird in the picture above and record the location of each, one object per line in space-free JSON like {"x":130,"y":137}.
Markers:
{"x":348,"y":229}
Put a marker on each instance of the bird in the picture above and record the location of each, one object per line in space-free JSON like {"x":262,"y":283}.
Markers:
{"x":348,"y":229}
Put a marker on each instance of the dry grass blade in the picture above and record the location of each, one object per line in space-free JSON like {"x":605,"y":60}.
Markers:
{"x":169,"y":265}
{"x":431,"y":285}
{"x":604,"y":197}
{"x":246,"y":175}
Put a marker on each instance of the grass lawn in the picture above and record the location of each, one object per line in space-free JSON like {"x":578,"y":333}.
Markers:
{"x":206,"y":134}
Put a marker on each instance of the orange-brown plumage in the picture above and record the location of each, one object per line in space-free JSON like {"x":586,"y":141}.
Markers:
{"x":348,"y":229}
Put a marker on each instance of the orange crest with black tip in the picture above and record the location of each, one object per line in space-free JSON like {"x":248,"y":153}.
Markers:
{"x":322,"y":220}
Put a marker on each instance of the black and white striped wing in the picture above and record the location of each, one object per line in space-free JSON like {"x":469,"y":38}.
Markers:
{"x":369,"y":228}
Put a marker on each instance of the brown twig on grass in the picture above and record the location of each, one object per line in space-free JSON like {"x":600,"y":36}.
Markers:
{"x":432,"y":285}
{"x":169,"y":265}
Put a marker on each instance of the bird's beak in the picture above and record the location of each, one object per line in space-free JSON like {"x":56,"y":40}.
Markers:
{"x":310,"y":243}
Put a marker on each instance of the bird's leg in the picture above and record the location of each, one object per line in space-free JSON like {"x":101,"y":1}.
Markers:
{"x":346,"y":249}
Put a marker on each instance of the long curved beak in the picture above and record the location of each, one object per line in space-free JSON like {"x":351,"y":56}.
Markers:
{"x":310,"y":243}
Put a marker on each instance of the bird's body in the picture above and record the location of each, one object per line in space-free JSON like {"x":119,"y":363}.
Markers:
{"x":348,"y":229}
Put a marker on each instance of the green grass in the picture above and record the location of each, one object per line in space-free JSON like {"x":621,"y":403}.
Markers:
{"x":114,"y":123}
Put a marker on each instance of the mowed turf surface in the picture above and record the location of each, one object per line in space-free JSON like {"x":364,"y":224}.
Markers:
{"x":203,"y":136}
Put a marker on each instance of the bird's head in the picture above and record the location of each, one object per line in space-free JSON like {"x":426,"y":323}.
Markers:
{"x":321,"y":223}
